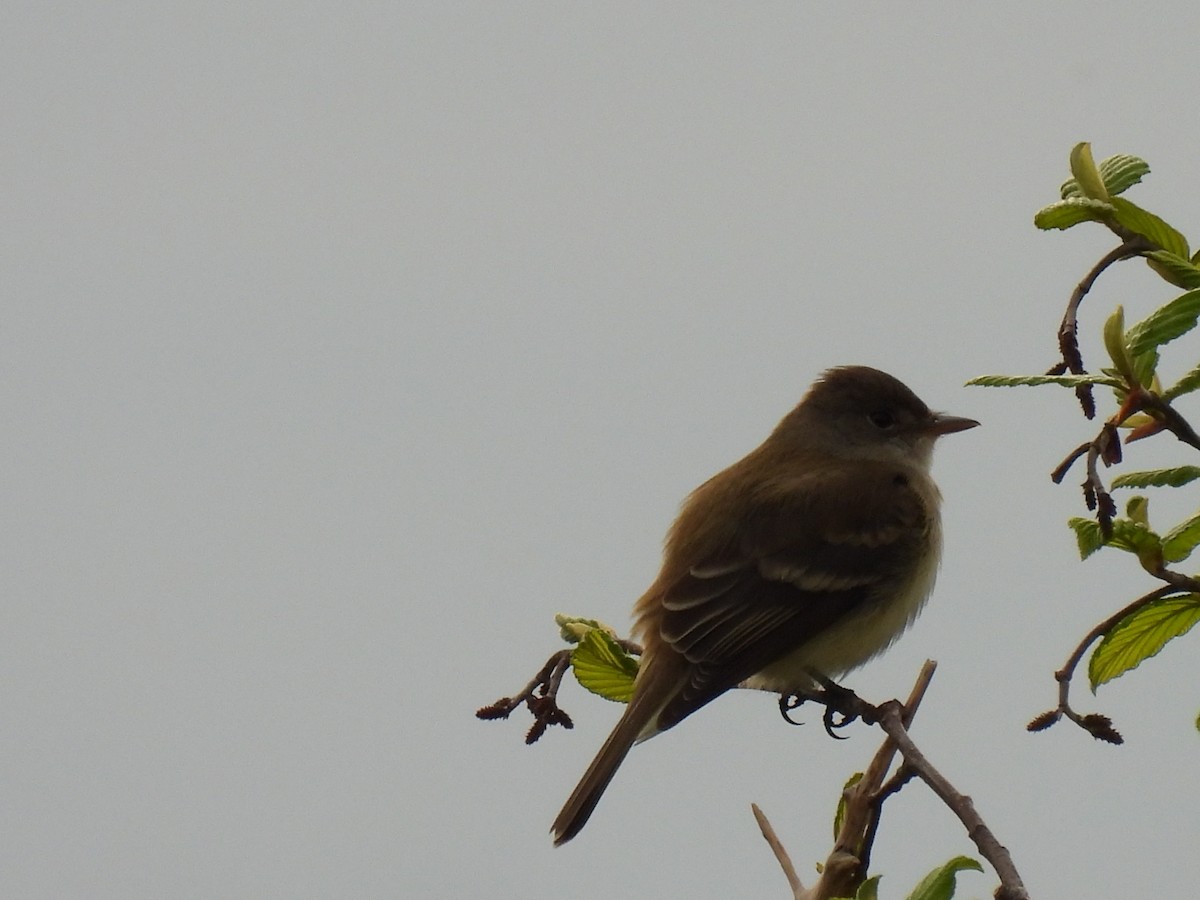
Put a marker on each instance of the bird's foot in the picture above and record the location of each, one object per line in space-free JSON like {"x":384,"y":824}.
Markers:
{"x":842,"y":705}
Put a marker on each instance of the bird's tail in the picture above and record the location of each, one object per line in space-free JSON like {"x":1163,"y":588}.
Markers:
{"x":649,"y":698}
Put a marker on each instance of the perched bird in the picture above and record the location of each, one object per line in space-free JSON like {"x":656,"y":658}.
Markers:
{"x":810,"y":555}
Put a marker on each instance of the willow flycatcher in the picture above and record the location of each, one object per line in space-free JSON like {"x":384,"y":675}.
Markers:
{"x":810,"y":555}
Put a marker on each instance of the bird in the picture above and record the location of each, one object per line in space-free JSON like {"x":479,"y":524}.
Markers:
{"x":795,"y":565}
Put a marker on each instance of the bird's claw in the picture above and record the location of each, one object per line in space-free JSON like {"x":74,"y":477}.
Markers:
{"x":842,"y":706}
{"x":831,"y":722}
{"x":788,"y":702}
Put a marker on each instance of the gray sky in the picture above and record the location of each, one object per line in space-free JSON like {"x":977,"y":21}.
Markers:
{"x":344,"y":344}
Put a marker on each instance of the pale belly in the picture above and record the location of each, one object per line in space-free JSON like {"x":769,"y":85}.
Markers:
{"x":850,"y":643}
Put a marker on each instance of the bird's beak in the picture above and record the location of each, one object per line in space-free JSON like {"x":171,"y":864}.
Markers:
{"x":943,"y":424}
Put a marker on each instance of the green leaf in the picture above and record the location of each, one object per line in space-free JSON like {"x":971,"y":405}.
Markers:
{"x":1070,"y":190}
{"x":1087,"y":535}
{"x":1087,"y":176}
{"x":940,"y":883}
{"x":1070,"y":212}
{"x":1121,"y":172}
{"x":1127,"y":534}
{"x":1115,"y":343}
{"x":1176,"y":269}
{"x":1164,"y":324}
{"x":573,"y":628}
{"x":1185,"y":385}
{"x":840,"y":816}
{"x":1176,"y":477}
{"x":1070,"y":381}
{"x":1137,"y":509}
{"x":869,"y":889}
{"x":603,"y":667}
{"x":1141,"y":635}
{"x":1145,"y":367}
{"x":1149,"y":225}
{"x":1134,"y":537}
{"x":1180,"y":541}
{"x":1119,"y":385}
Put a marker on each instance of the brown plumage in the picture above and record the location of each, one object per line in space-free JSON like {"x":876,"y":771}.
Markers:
{"x":813,"y":553}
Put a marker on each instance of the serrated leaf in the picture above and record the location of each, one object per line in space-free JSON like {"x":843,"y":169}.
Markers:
{"x":1087,"y":535}
{"x":602,"y":667}
{"x":840,"y":816}
{"x":1087,"y":176}
{"x":1070,"y":212}
{"x":1134,"y":537}
{"x":1149,"y":225}
{"x":573,"y":628}
{"x":1127,"y":534}
{"x":1176,"y":477}
{"x":1180,"y":541}
{"x":1141,"y":635}
{"x":940,"y":883}
{"x":1122,"y":171}
{"x":1145,"y":367}
{"x":1185,"y":385}
{"x":1175,"y":269}
{"x":1165,"y":324}
{"x":1070,"y":189}
{"x":1070,"y":381}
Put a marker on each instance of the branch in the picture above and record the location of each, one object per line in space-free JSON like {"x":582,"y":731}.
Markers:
{"x":1068,"y":329}
{"x":1097,"y":725}
{"x":1011,"y":887}
{"x":1170,"y":418}
{"x":540,"y":695}
{"x":864,"y":801}
{"x":1060,"y":471}
{"x":847,"y":864}
{"x":846,"y":867}
{"x":1185,"y":583}
{"x":1106,"y":447}
{"x":781,"y":854}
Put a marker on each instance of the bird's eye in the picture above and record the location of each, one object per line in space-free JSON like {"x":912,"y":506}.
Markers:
{"x":882,"y":419}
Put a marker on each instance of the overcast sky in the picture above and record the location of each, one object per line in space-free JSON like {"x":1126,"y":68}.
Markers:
{"x":345,"y":344}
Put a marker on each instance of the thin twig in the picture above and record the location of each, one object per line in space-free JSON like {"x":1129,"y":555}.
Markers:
{"x":540,"y":696}
{"x":550,"y":672}
{"x":1011,"y":886}
{"x":1178,"y":580}
{"x":1069,"y":327}
{"x":781,"y":854}
{"x":1060,"y":472}
{"x":902,"y":776}
{"x":1099,"y":726}
{"x":871,"y":790}
{"x":1174,"y":422}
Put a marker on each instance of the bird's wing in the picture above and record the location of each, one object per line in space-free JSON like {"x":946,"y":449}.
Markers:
{"x":811,"y":551}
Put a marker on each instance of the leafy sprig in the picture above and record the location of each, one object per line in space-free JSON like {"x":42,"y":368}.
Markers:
{"x":1141,"y":408}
